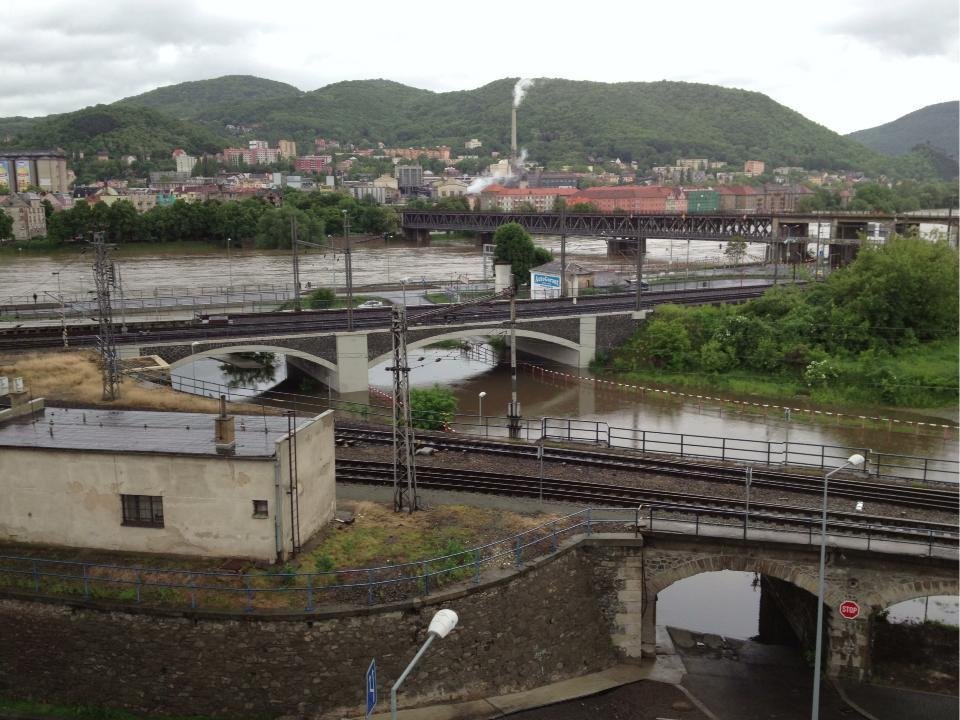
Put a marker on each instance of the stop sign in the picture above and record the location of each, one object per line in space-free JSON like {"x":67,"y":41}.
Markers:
{"x":849,"y":609}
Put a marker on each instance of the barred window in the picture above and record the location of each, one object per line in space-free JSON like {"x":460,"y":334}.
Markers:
{"x":142,"y":510}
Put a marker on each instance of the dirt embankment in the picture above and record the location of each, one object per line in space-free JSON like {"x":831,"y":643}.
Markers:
{"x":73,"y":379}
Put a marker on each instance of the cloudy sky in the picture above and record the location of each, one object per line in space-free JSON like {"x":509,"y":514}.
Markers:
{"x":848,"y":64}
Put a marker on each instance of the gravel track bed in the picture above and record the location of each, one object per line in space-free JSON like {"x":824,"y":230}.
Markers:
{"x":562,"y":471}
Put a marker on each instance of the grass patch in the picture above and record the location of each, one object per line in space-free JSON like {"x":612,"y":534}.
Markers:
{"x":923,"y":376}
{"x":447,"y":345}
{"x":73,"y":378}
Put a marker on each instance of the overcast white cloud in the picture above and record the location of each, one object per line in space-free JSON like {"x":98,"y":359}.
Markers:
{"x":847,"y":64}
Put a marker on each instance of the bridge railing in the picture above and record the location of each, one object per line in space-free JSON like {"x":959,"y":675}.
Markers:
{"x":285,"y":588}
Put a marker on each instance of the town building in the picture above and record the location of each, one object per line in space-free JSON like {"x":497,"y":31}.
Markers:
{"x":693,"y":163}
{"x":752,"y":168}
{"x":408,"y":176}
{"x":370,"y":190}
{"x":441,"y":152}
{"x":702,"y":200}
{"x":166,"y":482}
{"x":497,"y":197}
{"x":633,"y":199}
{"x":738,"y":198}
{"x":27,"y":213}
{"x":287,"y":148}
{"x":448,"y":188}
{"x":45,"y":169}
{"x":313,"y":163}
{"x":185,"y":162}
{"x":472,"y":144}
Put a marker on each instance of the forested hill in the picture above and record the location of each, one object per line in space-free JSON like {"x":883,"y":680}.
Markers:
{"x":560,"y":122}
{"x":935,"y":125}
{"x":213,"y":99}
{"x":566,"y":121}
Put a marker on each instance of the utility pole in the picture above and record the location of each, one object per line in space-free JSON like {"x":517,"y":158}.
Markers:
{"x":123,"y":305}
{"x":404,"y":468}
{"x":103,"y":275}
{"x":294,"y":243}
{"x":513,"y":412}
{"x":563,"y":248}
{"x":63,"y":311}
{"x":641,"y":248}
{"x":348,"y":266}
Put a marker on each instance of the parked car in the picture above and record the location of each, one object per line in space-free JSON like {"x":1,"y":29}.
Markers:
{"x":370,"y":304}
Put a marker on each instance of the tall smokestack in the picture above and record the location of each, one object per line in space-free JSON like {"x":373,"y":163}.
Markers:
{"x":513,"y":136}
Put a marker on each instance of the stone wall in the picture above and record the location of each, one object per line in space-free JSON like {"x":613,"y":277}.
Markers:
{"x":530,"y":628}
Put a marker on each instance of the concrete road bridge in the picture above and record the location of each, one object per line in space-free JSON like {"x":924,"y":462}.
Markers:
{"x":342,"y":359}
{"x":339,"y":353}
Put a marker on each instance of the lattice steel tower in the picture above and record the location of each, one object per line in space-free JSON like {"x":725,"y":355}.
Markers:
{"x":404,"y":468}
{"x":103,"y":275}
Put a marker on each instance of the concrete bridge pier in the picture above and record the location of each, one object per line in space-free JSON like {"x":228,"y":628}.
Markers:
{"x":352,"y":374}
{"x":422,"y":237}
{"x":618,"y":247}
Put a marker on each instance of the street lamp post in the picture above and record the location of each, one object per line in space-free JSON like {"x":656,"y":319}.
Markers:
{"x":443,"y":622}
{"x":193,"y":366}
{"x":348,"y":266}
{"x":403,"y":289}
{"x":63,"y":311}
{"x":853,"y":461}
{"x":480,"y":396}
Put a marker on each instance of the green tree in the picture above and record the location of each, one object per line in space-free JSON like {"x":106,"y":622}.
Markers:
{"x":905,"y":285}
{"x":432,"y":408}
{"x":321,"y":299}
{"x":6,"y":226}
{"x":736,"y":248}
{"x":584,"y":207}
{"x":512,"y":244}
{"x":274,"y":226}
{"x":667,"y":344}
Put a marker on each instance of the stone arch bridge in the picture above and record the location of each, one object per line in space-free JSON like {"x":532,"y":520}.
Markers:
{"x":635,"y":573}
{"x":343,"y":359}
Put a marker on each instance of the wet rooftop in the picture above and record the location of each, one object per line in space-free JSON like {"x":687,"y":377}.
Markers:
{"x":140,"y":431}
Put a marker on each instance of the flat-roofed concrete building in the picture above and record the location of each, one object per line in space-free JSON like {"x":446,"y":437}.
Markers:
{"x":159,"y":482}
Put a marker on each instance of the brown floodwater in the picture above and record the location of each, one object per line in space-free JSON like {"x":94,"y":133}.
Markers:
{"x":146,"y":271}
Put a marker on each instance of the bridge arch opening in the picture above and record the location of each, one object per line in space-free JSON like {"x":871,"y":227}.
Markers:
{"x":558,"y":349}
{"x":275,"y":374}
{"x":915,"y":641}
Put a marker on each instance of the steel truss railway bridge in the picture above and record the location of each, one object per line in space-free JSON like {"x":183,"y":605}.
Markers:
{"x":783,"y":231}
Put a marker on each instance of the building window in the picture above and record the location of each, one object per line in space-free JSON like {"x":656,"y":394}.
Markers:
{"x":142,"y":510}
{"x":260,"y":509}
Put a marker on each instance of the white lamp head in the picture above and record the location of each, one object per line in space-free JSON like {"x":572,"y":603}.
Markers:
{"x":443,"y":622}
{"x":856,"y":460}
{"x":482,"y":394}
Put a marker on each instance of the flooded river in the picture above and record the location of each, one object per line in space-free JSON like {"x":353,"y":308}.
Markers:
{"x":374,"y":262}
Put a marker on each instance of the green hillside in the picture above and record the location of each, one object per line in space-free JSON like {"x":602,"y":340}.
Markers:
{"x":212,"y":99}
{"x":935,"y":125}
{"x":566,"y":121}
{"x":116,"y":129}
{"x":560,"y":121}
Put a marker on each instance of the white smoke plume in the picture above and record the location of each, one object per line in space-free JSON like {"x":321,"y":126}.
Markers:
{"x":481,"y":183}
{"x":520,"y":89}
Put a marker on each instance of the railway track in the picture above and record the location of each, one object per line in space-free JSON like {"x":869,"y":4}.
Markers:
{"x":287,"y":323}
{"x":604,"y":495}
{"x":947,"y":500}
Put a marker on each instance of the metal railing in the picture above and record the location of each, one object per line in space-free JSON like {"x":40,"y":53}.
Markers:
{"x":283,"y":589}
{"x":682,"y":445}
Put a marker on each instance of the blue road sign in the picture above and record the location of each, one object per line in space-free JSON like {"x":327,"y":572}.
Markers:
{"x":371,"y":686}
